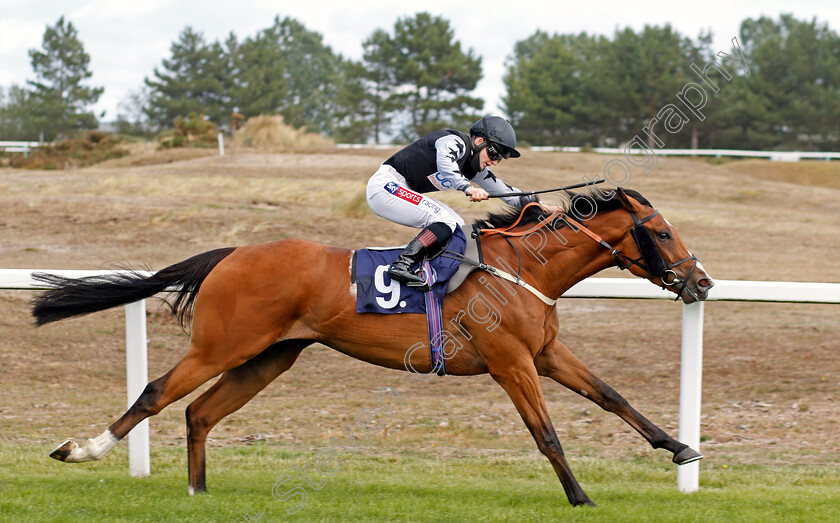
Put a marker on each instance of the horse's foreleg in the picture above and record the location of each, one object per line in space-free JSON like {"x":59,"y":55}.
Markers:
{"x":521,"y":382}
{"x":557,"y":362}
{"x":233,"y":390}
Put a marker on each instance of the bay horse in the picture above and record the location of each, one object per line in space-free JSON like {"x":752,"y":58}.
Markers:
{"x":253,"y":309}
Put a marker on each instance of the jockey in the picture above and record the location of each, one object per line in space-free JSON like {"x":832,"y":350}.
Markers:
{"x":440,"y":161}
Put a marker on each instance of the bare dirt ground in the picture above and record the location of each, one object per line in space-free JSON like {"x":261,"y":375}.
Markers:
{"x":771,"y":371}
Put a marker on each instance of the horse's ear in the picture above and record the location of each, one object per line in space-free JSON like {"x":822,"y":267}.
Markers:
{"x":628,"y":202}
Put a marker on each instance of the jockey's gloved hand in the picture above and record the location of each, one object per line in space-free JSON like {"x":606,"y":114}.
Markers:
{"x":477,"y":194}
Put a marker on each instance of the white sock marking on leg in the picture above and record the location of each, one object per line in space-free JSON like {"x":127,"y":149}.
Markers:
{"x":95,"y":448}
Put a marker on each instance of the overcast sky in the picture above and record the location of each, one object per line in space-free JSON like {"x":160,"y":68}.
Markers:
{"x":127,"y":39}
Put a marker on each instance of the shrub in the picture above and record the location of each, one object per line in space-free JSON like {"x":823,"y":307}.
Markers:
{"x":192,"y":131}
{"x":272,"y":132}
{"x":95,"y":147}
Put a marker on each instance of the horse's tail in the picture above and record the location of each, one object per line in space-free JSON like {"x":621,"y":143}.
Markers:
{"x":71,"y":297}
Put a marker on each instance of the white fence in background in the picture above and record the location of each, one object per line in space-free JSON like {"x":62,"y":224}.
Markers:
{"x":20,"y":147}
{"x":691,"y":365}
{"x":776,"y":156}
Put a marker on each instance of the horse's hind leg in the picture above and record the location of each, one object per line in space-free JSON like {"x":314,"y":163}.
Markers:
{"x":557,"y":362}
{"x":233,"y":390}
{"x":182,"y":379}
{"x":205,"y":360}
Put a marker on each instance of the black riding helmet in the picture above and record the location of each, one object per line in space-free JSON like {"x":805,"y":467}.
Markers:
{"x":496,"y":130}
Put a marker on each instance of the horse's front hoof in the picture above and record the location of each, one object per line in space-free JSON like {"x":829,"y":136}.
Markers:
{"x":687,"y":455}
{"x":62,"y":452}
{"x":585,"y":503}
{"x":196,"y":490}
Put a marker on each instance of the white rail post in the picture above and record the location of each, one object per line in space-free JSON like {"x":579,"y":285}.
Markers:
{"x":691,"y":375}
{"x":221,"y":144}
{"x":137,"y":375}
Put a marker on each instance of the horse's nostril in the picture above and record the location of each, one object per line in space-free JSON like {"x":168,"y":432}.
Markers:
{"x":705,"y":283}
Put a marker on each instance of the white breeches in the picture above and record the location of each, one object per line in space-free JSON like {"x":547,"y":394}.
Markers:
{"x":389,"y":197}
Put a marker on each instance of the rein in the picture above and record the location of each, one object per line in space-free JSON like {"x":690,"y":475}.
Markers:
{"x":505,"y":230}
{"x":506,"y":234}
{"x":651,"y":260}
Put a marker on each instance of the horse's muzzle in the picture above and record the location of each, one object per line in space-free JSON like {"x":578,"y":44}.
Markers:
{"x":703,"y":287}
{"x":697,"y":289}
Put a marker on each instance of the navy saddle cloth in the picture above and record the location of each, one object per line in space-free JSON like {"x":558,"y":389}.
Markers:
{"x":376,"y":293}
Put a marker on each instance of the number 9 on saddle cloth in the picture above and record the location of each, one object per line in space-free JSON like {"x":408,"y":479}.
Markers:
{"x":376,"y":293}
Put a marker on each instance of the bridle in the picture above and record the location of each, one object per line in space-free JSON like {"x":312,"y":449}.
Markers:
{"x":651,"y":260}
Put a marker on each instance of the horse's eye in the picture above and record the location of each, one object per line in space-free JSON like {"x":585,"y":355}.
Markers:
{"x":664,"y":235}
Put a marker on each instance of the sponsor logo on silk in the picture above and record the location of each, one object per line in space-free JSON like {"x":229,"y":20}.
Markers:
{"x":402,"y":192}
{"x":430,"y":205}
{"x":440,"y":182}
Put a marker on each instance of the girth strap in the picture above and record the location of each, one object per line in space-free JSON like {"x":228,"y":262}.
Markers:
{"x":435,"y":323}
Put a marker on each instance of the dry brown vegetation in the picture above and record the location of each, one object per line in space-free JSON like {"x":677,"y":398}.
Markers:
{"x":91,"y":148}
{"x":270,"y":133}
{"x":771,"y":371}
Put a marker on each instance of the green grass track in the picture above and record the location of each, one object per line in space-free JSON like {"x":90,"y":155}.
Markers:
{"x":414,"y":487}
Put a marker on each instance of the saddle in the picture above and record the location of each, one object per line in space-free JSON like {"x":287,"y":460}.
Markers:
{"x":471,"y":260}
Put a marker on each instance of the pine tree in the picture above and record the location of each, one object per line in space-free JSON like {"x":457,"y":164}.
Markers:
{"x":431,"y":77}
{"x":195,"y":79}
{"x":312,"y":73}
{"x":258,"y":69}
{"x":543,"y":90}
{"x":379,"y":78}
{"x":577,"y":89}
{"x":354,"y":118}
{"x":17,"y":118}
{"x":59,"y":99}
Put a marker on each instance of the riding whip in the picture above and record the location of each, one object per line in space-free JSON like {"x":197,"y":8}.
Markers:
{"x":575,"y":186}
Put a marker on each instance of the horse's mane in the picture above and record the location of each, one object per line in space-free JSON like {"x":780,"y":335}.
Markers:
{"x":575,"y":204}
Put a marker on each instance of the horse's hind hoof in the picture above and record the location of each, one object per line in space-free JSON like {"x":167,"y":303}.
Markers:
{"x":63,"y":451}
{"x":687,"y":455}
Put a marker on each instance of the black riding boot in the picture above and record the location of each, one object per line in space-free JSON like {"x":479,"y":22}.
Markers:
{"x":400,"y":270}
{"x":428,"y":241}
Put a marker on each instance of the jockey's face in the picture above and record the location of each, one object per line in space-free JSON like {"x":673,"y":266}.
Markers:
{"x":483,"y":159}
